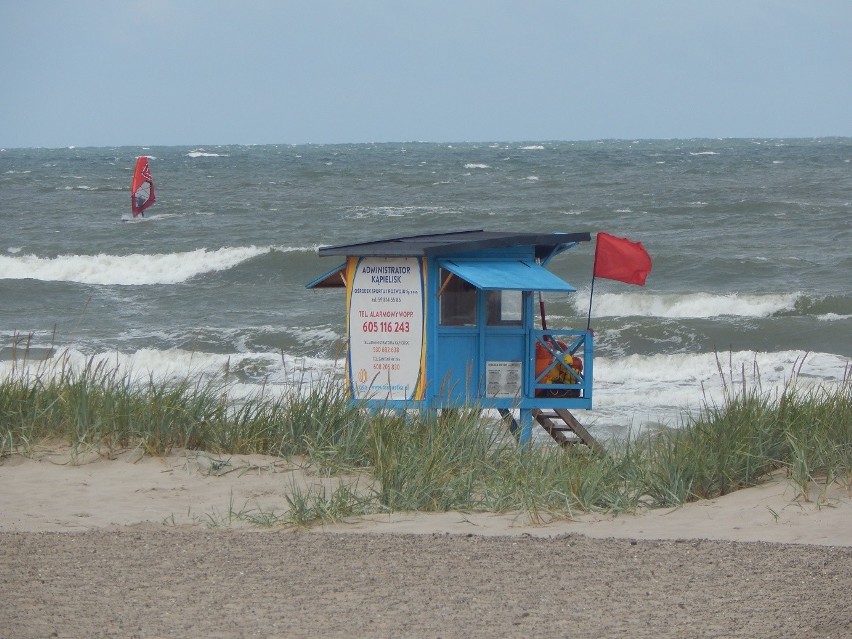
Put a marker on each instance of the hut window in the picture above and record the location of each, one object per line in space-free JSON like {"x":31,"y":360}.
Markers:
{"x":457,"y":301}
{"x":504,"y":308}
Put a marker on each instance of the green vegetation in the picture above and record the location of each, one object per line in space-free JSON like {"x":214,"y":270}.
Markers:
{"x":388,"y":461}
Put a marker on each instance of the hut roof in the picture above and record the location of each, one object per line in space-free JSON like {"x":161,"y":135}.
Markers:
{"x":457,"y":242}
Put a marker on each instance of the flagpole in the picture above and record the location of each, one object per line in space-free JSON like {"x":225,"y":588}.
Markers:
{"x":591,"y":295}
{"x":592,"y":291}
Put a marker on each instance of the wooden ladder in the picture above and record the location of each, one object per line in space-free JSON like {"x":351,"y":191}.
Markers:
{"x":558,"y":424}
{"x":565,"y":429}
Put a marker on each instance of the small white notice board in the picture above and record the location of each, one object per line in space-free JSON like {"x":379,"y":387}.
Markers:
{"x":503,"y":379}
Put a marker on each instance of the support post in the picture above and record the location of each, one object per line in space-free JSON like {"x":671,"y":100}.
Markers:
{"x":526,"y":425}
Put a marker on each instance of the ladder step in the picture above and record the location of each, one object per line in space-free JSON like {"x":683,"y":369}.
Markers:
{"x":553,"y":422}
{"x":558,"y":422}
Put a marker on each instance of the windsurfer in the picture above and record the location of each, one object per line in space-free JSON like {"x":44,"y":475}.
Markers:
{"x":142,"y":187}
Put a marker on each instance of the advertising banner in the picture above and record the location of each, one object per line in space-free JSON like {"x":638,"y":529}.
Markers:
{"x":385,"y":325}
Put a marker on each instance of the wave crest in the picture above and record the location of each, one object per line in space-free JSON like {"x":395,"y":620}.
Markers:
{"x":691,"y":305}
{"x":130,"y":270}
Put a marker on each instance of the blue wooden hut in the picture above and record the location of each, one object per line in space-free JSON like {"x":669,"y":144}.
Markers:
{"x":450,"y":320}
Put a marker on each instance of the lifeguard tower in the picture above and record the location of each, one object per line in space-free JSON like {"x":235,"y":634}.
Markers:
{"x":449,"y":320}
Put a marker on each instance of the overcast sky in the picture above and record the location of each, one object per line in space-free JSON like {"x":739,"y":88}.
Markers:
{"x":194,"y":72}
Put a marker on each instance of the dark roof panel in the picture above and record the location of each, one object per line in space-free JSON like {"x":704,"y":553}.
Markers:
{"x":456,"y":243}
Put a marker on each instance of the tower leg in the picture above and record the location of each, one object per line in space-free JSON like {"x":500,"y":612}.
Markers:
{"x":526,"y":426}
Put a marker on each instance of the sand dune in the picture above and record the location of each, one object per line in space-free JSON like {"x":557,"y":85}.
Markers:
{"x":134,"y":547}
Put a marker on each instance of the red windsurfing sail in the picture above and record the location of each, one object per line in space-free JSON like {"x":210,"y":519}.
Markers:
{"x":142,"y":187}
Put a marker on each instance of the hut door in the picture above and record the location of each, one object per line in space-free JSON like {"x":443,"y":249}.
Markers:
{"x":481,"y":343}
{"x":504,"y":344}
{"x":457,"y":352}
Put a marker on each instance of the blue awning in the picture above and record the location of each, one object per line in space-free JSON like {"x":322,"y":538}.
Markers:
{"x":335,"y":278}
{"x":513,"y":275}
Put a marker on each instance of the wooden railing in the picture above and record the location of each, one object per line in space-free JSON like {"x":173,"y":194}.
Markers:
{"x":563,"y":364}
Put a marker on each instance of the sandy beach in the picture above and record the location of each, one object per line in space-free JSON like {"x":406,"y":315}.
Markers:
{"x":150,"y":547}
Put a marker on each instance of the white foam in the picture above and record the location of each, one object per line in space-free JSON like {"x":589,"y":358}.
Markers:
{"x":633,"y":391}
{"x":201,"y":153}
{"x":687,"y":305}
{"x":533,"y":147}
{"x":630,"y":393}
{"x":476,"y":166}
{"x":244,"y":375}
{"x":395,"y":211}
{"x":135,"y":269}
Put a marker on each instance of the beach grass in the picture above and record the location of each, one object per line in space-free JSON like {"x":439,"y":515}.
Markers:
{"x":429,"y":461}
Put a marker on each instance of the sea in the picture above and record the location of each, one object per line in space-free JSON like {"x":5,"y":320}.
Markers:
{"x":751,"y":242}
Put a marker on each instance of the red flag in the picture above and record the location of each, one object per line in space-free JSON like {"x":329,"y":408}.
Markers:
{"x":617,"y":258}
